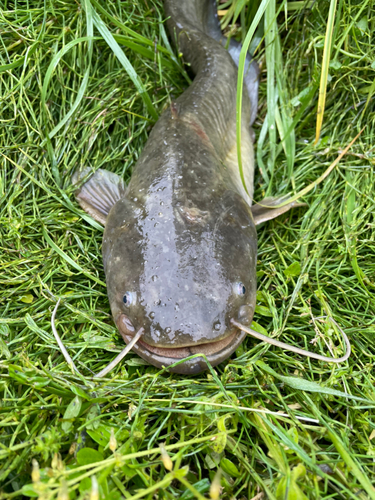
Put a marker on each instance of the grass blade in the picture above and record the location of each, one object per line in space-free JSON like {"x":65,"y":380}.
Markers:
{"x":270,"y":28}
{"x":325,"y":68}
{"x":241,"y":69}
{"x":83,"y":86}
{"x":108,"y":37}
{"x":324,"y":175}
{"x":70,"y":261}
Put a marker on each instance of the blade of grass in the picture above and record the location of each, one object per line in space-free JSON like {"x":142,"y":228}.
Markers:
{"x":241,"y":69}
{"x":325,"y":174}
{"x":350,"y":196}
{"x":285,"y":440}
{"x":68,"y":259}
{"x":260,"y":143}
{"x":309,"y":386}
{"x":83,"y":86}
{"x":55,"y":61}
{"x":68,"y":204}
{"x":108,"y":37}
{"x":325,"y":69}
{"x":283,"y":116}
{"x":128,"y":30}
{"x":350,"y":26}
{"x":351,"y":463}
{"x":19,"y":62}
{"x":349,"y":460}
{"x":270,"y":28}
{"x":305,"y":103}
{"x":31,"y":50}
{"x":65,"y":353}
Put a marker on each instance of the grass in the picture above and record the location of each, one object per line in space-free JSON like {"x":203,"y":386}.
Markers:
{"x":277,"y":425}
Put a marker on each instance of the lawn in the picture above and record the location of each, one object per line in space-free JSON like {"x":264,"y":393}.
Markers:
{"x":81,"y":84}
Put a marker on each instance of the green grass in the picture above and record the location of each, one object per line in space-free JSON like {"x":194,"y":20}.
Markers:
{"x":279,"y":426}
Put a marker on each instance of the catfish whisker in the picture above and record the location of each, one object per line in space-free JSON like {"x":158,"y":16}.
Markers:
{"x":289,"y":347}
{"x":122,"y":354}
{"x":59,"y":341}
{"x":110,"y":366}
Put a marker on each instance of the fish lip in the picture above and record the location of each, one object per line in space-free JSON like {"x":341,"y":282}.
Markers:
{"x":127,"y":329}
{"x":164,"y":357}
{"x":215,"y":352}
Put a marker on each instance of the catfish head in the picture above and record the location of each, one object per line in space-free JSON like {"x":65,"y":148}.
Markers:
{"x":180,"y":266}
{"x":182,"y":271}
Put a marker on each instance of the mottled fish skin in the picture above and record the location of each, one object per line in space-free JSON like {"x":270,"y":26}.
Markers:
{"x":180,"y":247}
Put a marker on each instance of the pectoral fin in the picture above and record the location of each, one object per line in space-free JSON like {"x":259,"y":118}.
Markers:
{"x":266,"y":210}
{"x":101,"y":191}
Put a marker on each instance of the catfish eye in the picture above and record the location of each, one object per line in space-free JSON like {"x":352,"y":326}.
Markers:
{"x":127,"y":299}
{"x":241,"y":289}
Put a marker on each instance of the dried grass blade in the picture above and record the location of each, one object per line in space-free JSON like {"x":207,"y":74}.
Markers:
{"x":319,"y":179}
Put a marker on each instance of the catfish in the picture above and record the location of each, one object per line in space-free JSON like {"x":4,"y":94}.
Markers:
{"x":180,"y":242}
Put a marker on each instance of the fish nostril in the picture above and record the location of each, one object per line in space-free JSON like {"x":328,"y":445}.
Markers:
{"x":126,"y":325}
{"x":217,"y":325}
{"x":245,"y":314}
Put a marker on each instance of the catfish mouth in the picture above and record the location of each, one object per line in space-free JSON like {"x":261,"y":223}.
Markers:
{"x":215,"y":352}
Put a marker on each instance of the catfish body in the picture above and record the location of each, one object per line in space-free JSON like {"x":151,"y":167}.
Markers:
{"x":179,"y":251}
{"x":180,"y":244}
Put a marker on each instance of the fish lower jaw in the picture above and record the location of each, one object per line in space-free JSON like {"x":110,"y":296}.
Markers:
{"x":207,"y":348}
{"x":214,"y":352}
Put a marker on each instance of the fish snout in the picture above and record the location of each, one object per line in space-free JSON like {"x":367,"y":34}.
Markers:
{"x":245,"y":314}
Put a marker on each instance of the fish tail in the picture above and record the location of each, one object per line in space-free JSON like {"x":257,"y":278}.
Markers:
{"x":201,"y":15}
{"x":251,"y":73}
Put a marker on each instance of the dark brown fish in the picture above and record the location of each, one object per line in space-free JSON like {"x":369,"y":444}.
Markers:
{"x":180,"y":244}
